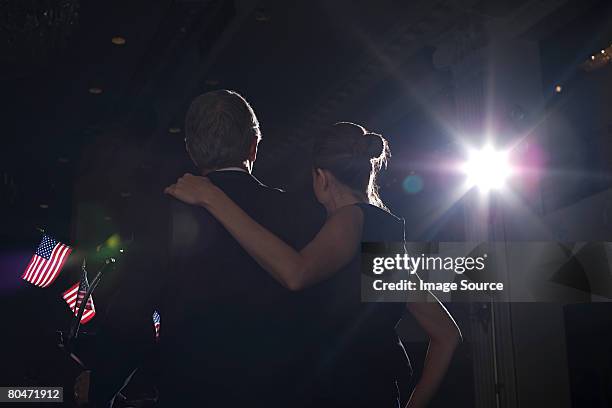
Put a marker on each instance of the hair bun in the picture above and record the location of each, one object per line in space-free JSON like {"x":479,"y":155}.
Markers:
{"x":374,"y":145}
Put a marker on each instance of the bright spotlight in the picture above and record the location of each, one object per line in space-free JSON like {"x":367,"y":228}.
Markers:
{"x":487,"y":168}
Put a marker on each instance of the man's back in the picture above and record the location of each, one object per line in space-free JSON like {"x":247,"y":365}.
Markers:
{"x":228,"y":327}
{"x":229,"y":333}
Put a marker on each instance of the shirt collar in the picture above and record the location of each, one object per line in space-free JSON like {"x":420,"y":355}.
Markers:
{"x":232,"y":169}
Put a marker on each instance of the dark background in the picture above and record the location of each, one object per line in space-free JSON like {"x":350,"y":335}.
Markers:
{"x":77,"y":163}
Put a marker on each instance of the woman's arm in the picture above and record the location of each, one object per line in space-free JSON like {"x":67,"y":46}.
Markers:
{"x":331,"y":249}
{"x":444,"y":335}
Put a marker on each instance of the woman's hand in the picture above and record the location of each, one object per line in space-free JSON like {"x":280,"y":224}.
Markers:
{"x":194,"y":190}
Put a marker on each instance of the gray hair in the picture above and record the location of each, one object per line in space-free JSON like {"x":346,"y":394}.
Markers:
{"x":220,"y":129}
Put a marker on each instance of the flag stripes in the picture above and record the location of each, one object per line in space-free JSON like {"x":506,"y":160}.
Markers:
{"x":46,"y":264}
{"x":156,"y":324}
{"x":74,"y":297}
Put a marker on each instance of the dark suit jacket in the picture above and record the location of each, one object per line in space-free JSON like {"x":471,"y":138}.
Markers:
{"x":229,"y":335}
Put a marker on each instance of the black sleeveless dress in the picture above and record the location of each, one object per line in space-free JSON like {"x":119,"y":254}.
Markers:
{"x":355,"y":357}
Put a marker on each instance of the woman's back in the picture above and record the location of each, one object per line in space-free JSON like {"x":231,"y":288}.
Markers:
{"x":357,"y":356}
{"x":380,"y":225}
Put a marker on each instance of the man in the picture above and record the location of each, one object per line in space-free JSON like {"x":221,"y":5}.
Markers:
{"x":229,"y":332}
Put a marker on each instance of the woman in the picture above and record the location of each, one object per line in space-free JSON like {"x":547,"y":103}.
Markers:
{"x":355,"y":353}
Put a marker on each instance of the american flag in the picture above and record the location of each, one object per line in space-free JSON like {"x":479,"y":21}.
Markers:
{"x":47,"y":262}
{"x":156,"y":323}
{"x":74,"y":296}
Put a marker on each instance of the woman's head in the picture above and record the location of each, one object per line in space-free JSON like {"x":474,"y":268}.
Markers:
{"x":346,"y":157}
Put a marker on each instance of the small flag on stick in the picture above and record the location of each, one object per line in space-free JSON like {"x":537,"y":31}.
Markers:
{"x":47,"y":262}
{"x":156,"y":323}
{"x":74,"y":297}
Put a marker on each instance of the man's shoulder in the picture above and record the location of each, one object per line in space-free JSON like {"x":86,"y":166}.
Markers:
{"x":253,"y":196}
{"x":275,"y":196}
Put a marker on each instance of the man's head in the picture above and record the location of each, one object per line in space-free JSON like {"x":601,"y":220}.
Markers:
{"x":221,"y":130}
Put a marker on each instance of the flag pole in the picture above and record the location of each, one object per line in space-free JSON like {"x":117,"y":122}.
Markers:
{"x":76,"y":323}
{"x":74,"y":326}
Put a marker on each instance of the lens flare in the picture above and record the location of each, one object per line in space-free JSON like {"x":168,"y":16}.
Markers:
{"x":487,"y":168}
{"x":413,"y":184}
